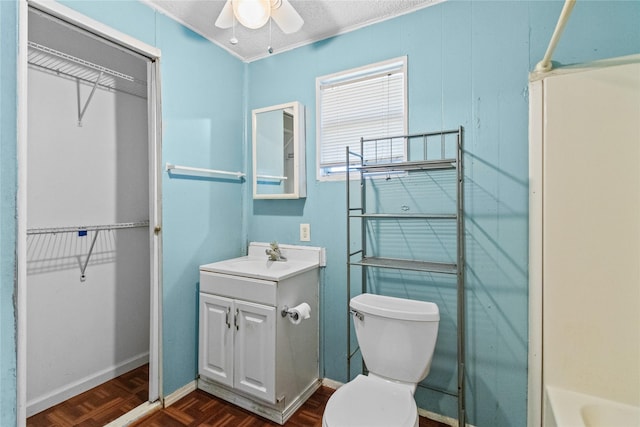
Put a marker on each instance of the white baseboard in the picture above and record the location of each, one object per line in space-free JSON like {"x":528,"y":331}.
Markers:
{"x":440,"y":418}
{"x":135,"y":414}
{"x":67,"y":391}
{"x":180,"y":393}
{"x":331,"y":383}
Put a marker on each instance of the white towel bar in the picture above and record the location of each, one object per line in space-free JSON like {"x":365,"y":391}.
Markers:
{"x":272,"y":177}
{"x":170,"y":167}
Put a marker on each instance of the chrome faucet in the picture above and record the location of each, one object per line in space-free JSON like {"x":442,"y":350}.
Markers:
{"x":274,"y":253}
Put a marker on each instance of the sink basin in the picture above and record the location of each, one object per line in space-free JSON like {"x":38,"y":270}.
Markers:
{"x":260,"y":267}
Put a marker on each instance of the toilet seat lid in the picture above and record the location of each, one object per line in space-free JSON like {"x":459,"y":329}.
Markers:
{"x":371,"y":402}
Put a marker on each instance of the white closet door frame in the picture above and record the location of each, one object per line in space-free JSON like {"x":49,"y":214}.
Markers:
{"x":155,"y":214}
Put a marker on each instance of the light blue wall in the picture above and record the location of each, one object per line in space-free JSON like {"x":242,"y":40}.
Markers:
{"x":8,"y":179}
{"x":468,"y":65}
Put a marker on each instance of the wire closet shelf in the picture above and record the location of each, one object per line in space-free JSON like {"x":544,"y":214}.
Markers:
{"x":77,"y":228}
{"x":82,"y":231}
{"x":63,"y":64}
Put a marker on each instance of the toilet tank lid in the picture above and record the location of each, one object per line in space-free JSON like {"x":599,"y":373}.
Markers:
{"x":395,"y":308}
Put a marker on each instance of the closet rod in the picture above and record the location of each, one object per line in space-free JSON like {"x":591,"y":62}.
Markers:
{"x":169,"y":167}
{"x":74,"y":229}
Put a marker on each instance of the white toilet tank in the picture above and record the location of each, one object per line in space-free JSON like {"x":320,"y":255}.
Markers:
{"x":397,"y":336}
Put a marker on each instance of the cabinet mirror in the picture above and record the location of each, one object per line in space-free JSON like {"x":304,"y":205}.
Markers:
{"x":279,"y":152}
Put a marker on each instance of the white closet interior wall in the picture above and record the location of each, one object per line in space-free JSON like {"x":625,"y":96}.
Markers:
{"x":82,"y":333}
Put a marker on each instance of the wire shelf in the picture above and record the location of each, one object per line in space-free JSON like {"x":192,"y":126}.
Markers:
{"x":60,"y":63}
{"x":76,"y":228}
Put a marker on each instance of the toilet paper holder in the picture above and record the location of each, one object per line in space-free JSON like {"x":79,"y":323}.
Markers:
{"x":287,"y":312}
{"x":296,"y":314}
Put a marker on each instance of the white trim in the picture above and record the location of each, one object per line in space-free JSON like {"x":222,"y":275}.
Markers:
{"x":154,"y":121}
{"x":439,"y":418}
{"x":534,"y":392}
{"x":331,"y":383}
{"x":135,"y":414}
{"x":21,"y":239}
{"x":81,"y":21}
{"x":180,"y":393}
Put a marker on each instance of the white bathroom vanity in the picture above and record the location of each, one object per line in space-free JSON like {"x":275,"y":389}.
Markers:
{"x":254,"y":350}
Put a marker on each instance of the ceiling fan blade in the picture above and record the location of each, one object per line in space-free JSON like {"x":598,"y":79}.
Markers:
{"x":287,"y":18}
{"x":225,"y":19}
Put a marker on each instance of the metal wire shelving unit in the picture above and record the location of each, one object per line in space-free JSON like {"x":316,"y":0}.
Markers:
{"x":365,"y":166}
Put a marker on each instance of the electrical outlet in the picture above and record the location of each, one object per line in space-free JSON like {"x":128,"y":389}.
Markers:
{"x":305,"y":233}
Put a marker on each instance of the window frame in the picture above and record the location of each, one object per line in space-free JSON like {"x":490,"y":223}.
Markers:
{"x":353,"y":75}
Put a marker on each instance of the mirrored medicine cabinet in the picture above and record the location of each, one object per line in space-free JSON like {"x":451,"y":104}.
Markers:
{"x":279,"y":152}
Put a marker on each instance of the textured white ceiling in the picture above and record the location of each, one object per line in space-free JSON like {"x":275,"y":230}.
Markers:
{"x":322,"y":19}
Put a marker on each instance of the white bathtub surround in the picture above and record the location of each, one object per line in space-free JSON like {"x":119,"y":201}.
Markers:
{"x":566,"y":408}
{"x":584,"y":234}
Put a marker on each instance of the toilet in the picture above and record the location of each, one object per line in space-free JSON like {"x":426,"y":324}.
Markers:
{"x":397,"y":337}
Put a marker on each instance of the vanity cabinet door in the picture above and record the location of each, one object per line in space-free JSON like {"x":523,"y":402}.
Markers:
{"x":216,"y":338}
{"x":255,"y":347}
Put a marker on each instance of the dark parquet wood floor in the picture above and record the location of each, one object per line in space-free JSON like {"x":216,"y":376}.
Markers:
{"x":100,"y":405}
{"x":107,"y":402}
{"x":201,"y":409}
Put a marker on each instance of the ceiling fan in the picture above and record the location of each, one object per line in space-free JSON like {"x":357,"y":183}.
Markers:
{"x":255,"y":13}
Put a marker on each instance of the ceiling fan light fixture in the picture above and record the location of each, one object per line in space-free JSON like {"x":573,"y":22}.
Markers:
{"x":252,"y":13}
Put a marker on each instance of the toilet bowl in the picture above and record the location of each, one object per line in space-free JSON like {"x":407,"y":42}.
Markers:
{"x":397,"y":337}
{"x":368,"y":401}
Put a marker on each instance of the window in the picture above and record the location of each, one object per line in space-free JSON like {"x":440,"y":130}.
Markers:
{"x":367,"y":102}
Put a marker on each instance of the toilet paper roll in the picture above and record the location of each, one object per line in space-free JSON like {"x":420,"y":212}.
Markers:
{"x":299,"y":313}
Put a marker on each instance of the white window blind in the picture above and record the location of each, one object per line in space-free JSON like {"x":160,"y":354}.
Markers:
{"x":365,"y":103}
